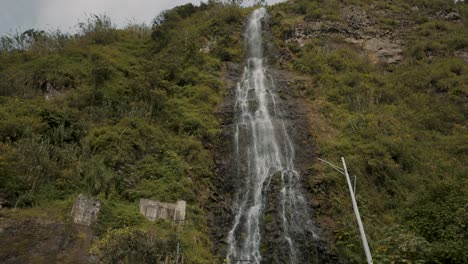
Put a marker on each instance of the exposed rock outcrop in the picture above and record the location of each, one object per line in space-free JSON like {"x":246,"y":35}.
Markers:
{"x":358,"y":28}
{"x":448,"y":15}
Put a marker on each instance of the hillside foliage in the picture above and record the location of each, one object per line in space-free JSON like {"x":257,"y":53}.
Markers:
{"x":124,"y":114}
{"x":120,"y":114}
{"x":402,"y":128}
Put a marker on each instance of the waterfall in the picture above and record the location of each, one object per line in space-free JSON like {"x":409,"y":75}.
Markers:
{"x":264,"y":154}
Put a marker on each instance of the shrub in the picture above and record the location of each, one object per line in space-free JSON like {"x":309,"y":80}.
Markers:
{"x":133,"y":246}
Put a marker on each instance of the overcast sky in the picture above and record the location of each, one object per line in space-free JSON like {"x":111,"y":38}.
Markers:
{"x":65,"y":14}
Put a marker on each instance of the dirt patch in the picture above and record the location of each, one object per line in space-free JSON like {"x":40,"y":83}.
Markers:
{"x":43,"y":241}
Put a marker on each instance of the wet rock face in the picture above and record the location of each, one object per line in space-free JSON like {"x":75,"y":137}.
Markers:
{"x":273,"y":248}
{"x":226,"y":185}
{"x":314,"y":247}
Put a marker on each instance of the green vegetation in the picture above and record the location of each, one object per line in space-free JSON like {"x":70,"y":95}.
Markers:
{"x":124,"y":114}
{"x":120,"y":114}
{"x":132,"y":246}
{"x":402,"y":129}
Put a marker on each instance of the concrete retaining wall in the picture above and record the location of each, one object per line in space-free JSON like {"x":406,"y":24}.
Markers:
{"x":85,"y":210}
{"x":157,"y":210}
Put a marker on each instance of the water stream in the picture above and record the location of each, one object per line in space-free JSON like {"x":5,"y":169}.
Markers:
{"x":264,"y":151}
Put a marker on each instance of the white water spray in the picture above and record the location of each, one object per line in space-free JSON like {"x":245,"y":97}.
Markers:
{"x":263,"y":150}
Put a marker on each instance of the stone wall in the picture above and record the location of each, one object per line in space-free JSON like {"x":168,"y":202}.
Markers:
{"x":157,"y":210}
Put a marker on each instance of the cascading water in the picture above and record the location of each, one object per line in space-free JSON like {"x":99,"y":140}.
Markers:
{"x":265,"y":154}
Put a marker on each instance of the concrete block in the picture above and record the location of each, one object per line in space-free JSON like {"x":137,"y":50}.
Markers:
{"x":85,"y":210}
{"x":158,"y":210}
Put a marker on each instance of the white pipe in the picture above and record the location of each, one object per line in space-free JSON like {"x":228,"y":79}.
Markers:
{"x":340,"y":170}
{"x":355,"y":179}
{"x":358,"y":216}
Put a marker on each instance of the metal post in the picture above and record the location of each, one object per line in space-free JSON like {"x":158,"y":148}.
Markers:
{"x":358,"y":216}
{"x":355,"y":179}
{"x":177,"y":254}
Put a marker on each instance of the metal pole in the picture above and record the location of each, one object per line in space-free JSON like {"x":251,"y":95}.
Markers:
{"x":358,"y":216}
{"x":177,"y":254}
{"x":355,"y":179}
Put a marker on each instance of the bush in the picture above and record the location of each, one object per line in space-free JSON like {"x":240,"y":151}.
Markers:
{"x":133,"y":246}
{"x":99,"y":29}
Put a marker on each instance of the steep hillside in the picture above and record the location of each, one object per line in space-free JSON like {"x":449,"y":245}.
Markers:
{"x":118,"y":114}
{"x":386,"y":84}
{"x":124,"y":114}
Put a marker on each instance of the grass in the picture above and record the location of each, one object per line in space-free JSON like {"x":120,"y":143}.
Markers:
{"x":407,"y":155}
{"x":134,"y":118}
